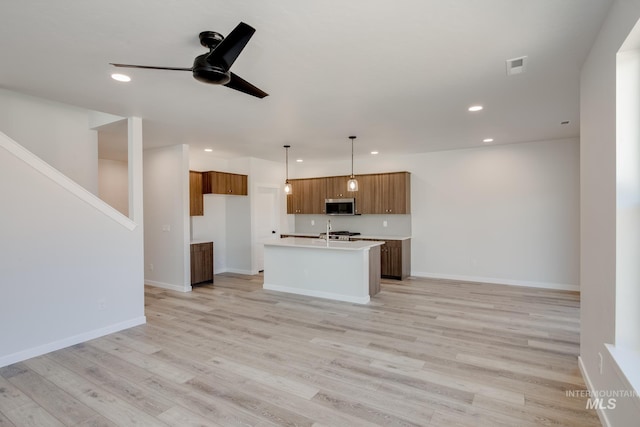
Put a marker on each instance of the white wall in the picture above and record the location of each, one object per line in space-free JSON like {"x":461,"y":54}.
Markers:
{"x":212,"y":227}
{"x":503,"y":214}
{"x":598,"y":209}
{"x":113,"y":184}
{"x":57,"y":133}
{"x":166,"y":213}
{"x":238,"y":236}
{"x":628,"y":197}
{"x":70,"y":265}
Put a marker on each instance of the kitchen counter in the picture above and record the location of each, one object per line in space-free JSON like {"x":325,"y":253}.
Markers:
{"x":363,"y":236}
{"x":340,"y":245}
{"x":369,"y":237}
{"x":343,"y":270}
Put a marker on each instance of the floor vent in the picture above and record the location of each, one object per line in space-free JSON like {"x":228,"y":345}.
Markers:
{"x":516,"y":65}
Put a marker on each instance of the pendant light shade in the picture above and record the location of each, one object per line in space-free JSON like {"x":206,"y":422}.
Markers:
{"x":287,"y":186}
{"x":352,"y":184}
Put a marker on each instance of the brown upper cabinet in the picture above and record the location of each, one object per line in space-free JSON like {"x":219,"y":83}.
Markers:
{"x":382,"y":193}
{"x":224,"y":183}
{"x":307,"y":196}
{"x":196,"y":205}
{"x":391,"y":194}
{"x":336,"y":188}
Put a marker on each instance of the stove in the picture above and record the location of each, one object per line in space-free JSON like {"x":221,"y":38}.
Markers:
{"x":339,"y":235}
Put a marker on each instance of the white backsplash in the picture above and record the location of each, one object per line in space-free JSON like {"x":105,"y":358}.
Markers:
{"x":367,"y":225}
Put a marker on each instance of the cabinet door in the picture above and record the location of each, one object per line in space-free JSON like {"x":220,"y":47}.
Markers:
{"x":201,"y":263}
{"x":214,"y":182}
{"x":336,"y":188}
{"x":392,"y":193}
{"x":237,"y":184}
{"x":391,"y":259}
{"x":397,"y":190}
{"x":221,"y":183}
{"x":366,"y":197}
{"x":294,"y":199}
{"x":313,"y":202}
{"x":196,"y":205}
{"x":307,"y":196}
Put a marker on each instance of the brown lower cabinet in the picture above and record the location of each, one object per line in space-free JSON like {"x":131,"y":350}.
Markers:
{"x":395,"y":258}
{"x":201,"y":263}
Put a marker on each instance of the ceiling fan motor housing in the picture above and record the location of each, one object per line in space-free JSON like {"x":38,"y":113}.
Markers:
{"x":207,"y":73}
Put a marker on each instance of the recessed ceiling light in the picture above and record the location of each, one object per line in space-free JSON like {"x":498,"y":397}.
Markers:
{"x":475,"y":108}
{"x":487,"y":140}
{"x":299,"y":160}
{"x":121,"y":77}
{"x":208,"y":150}
{"x":374,"y":152}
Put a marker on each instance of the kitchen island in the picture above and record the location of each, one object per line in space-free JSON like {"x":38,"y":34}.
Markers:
{"x":339,"y":270}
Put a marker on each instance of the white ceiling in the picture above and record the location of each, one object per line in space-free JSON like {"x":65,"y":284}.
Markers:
{"x":400,"y":75}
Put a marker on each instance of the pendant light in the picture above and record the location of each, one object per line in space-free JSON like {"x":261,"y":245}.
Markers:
{"x":352,"y":184}
{"x":287,"y":186}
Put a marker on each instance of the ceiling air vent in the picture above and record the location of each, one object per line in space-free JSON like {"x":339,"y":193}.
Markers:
{"x":516,"y":65}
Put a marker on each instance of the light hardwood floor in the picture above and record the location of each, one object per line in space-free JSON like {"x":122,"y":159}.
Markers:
{"x":422,"y":353}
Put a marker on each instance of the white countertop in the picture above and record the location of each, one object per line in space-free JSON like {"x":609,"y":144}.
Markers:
{"x":363,"y":236}
{"x":303,"y":242}
{"x":197,"y":242}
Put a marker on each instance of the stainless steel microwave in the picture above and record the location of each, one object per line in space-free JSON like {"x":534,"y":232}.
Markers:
{"x":340,"y":206}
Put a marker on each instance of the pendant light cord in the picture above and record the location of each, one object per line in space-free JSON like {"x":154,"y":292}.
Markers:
{"x":351,"y":158}
{"x":352,"y":138}
{"x":286,"y":147}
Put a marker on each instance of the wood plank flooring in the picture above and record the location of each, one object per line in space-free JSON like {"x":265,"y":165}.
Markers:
{"x":422,"y":353}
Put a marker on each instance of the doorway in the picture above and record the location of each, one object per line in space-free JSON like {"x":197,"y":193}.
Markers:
{"x":267,"y":220}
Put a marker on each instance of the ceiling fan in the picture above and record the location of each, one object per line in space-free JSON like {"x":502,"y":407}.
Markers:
{"x":213,"y":67}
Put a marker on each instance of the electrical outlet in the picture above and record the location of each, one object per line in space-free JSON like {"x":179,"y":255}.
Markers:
{"x":384,"y":223}
{"x":313,"y":222}
{"x":600,"y":362}
{"x":151,"y":266}
{"x":166,"y":227}
{"x":102,"y":304}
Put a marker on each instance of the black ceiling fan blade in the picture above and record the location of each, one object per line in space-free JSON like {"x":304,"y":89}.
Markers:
{"x":244,"y":86}
{"x":151,"y":67}
{"x":226,"y":53}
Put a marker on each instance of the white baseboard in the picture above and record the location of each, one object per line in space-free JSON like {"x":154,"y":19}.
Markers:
{"x":585,"y":375}
{"x":480,"y":279}
{"x":169,"y":286}
{"x":318,"y":294}
{"x":67,"y":342}
{"x":236,"y":271}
